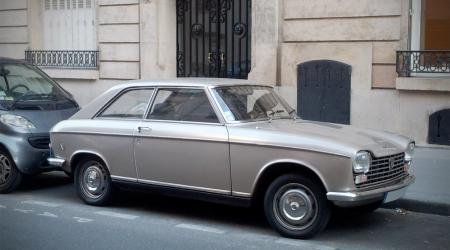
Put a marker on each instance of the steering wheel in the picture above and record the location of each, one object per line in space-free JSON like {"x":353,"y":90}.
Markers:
{"x":18,"y":86}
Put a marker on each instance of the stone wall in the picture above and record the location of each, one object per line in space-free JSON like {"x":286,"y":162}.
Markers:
{"x":364,"y":34}
{"x":13,"y":28}
{"x":118,"y":39}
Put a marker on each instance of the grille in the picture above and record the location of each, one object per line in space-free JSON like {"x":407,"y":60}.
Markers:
{"x":382,"y":171}
{"x":40,"y":142}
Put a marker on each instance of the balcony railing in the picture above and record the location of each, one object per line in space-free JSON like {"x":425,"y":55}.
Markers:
{"x":70,"y":59}
{"x":422,"y":61}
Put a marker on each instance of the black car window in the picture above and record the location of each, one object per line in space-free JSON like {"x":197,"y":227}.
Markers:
{"x":179,"y":104}
{"x":131,"y":104}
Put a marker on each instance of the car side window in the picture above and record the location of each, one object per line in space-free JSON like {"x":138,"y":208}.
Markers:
{"x":131,"y":104}
{"x":180,"y":104}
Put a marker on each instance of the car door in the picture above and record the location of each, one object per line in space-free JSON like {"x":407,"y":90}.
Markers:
{"x":182,"y":143}
{"x":111,"y":131}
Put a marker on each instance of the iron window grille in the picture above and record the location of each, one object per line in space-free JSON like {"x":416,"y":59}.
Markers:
{"x":422,"y":61}
{"x":71,"y":59}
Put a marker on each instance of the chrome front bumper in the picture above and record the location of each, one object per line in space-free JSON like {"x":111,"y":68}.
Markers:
{"x":369,"y":195}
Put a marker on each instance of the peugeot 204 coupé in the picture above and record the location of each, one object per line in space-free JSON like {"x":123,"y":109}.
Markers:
{"x":229,"y":141}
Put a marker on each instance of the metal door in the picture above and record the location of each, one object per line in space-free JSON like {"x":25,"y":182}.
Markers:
{"x":213,"y":38}
{"x":323,"y":91}
{"x":439,"y":127}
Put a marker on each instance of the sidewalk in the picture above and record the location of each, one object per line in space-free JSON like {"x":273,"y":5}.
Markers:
{"x":431,"y":191}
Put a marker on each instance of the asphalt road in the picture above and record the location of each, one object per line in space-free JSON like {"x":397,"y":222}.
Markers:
{"x":46,"y":214}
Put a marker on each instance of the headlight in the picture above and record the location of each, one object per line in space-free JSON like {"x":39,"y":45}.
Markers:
{"x":16,"y":121}
{"x":409,"y":152}
{"x":361,"y":163}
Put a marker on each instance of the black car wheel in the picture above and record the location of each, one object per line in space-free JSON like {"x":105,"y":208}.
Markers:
{"x":296,"y":206}
{"x":10,"y":176}
{"x":93,"y":182}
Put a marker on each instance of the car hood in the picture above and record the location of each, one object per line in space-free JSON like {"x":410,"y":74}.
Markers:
{"x":46,"y":119}
{"x":331,"y":138}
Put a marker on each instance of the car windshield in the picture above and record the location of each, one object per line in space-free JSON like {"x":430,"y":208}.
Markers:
{"x":22,"y":84}
{"x":251,"y":103}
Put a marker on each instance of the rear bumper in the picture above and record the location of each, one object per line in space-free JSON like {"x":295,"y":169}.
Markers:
{"x":360,"y":197}
{"x":56,"y":162}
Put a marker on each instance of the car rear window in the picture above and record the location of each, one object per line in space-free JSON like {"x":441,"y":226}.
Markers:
{"x":130,"y":104}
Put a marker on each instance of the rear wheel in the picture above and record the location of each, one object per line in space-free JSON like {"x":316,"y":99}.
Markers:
{"x":93,"y":182}
{"x":296,"y":206}
{"x":10,"y":176}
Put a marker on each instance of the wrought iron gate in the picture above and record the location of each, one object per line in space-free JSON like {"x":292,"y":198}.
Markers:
{"x":213,"y":38}
{"x":323,"y":91}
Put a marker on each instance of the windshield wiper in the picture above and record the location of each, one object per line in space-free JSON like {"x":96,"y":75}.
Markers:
{"x":293,"y":114}
{"x":271,"y":113}
{"x":24,"y":96}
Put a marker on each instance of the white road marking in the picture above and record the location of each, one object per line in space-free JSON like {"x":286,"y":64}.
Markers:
{"x":2,"y":206}
{"x":47,"y":214}
{"x":200,"y":228}
{"x":117,"y":215}
{"x":82,"y":220}
{"x":41,"y":203}
{"x":25,"y":211}
{"x":303,"y":244}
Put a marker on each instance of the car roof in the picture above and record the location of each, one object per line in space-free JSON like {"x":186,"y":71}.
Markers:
{"x":187,"y":81}
{"x":12,"y":60}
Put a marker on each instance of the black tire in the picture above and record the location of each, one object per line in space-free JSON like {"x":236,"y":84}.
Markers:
{"x":10,"y":176}
{"x":307,"y":200}
{"x":93,"y":169}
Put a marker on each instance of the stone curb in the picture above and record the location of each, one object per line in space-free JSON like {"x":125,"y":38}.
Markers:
{"x":420,"y":206}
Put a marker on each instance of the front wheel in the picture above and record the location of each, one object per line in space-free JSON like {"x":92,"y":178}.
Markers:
{"x":10,"y":176}
{"x":93,"y":182}
{"x":296,"y":206}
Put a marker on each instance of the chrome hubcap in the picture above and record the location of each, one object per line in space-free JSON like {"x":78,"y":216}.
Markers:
{"x":93,"y":181}
{"x":295,"y":206}
{"x":5,"y":169}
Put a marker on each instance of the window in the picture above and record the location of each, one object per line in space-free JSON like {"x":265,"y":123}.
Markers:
{"x":69,"y":25}
{"x":19,"y":82}
{"x":241,"y":103}
{"x":430,"y":25}
{"x":178,"y":104}
{"x":131,"y":104}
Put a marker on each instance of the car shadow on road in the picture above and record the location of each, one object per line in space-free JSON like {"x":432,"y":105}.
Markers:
{"x":44,"y":181}
{"x":191,"y":209}
{"x":58,"y":185}
{"x":244,"y":218}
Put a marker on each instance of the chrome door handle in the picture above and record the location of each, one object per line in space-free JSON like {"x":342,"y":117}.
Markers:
{"x":142,"y":129}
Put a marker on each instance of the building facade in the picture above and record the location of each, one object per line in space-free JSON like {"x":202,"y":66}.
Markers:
{"x":379,"y":64}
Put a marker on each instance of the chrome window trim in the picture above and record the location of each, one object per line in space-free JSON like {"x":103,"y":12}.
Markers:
{"x":117,"y":96}
{"x":168,"y":184}
{"x":152,"y":102}
{"x":183,"y":122}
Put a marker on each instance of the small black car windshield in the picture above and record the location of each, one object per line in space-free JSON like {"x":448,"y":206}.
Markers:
{"x":21,"y":83}
{"x":247,"y":103}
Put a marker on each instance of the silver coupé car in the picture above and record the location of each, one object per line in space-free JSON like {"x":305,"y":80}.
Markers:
{"x":229,"y":141}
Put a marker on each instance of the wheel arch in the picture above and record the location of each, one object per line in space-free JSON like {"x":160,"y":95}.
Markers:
{"x":79,"y":155}
{"x":274,"y":169}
